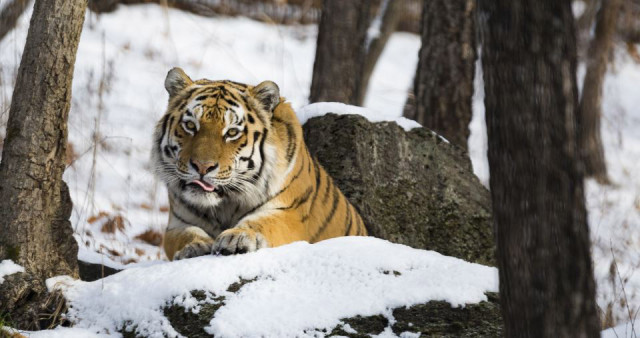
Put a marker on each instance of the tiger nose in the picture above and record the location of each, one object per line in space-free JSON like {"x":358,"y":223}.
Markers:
{"x":203,"y":168}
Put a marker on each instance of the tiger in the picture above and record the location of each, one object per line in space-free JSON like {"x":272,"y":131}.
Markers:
{"x":238,"y":173}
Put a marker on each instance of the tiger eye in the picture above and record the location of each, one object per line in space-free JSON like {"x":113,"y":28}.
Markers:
{"x":232,"y":132}
{"x":191,"y":125}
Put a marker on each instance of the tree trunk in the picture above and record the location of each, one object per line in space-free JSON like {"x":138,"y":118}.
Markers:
{"x":338,"y":66}
{"x":584,"y":24}
{"x":10,"y":14}
{"x":590,"y":111}
{"x":443,"y":85}
{"x":383,"y":26}
{"x":34,"y":201}
{"x":529,"y":62}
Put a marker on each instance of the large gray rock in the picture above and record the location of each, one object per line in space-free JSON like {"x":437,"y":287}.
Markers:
{"x":410,"y":187}
{"x":432,"y":319}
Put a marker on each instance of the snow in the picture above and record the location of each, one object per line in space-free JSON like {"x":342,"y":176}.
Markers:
{"x":322,"y":108}
{"x":64,"y":332}
{"x":90,"y":256}
{"x":130,"y":51}
{"x":625,"y":330}
{"x":298,"y":288}
{"x":8,"y":267}
{"x":614,"y":211}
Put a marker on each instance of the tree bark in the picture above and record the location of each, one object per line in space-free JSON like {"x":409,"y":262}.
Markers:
{"x":590,"y":110}
{"x":338,"y":67}
{"x":443,"y":85}
{"x":34,"y":201}
{"x":529,"y":63}
{"x":10,"y":14}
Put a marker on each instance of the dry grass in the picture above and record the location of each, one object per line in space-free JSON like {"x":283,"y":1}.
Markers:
{"x":150,"y":236}
{"x":112,"y":224}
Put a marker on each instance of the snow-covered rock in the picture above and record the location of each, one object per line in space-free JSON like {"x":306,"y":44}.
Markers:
{"x":8,"y":267}
{"x":293,"y":290}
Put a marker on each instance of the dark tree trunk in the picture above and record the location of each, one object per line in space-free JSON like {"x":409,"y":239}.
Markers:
{"x":10,"y":14}
{"x":338,"y":67}
{"x":34,"y":201}
{"x":590,"y":111}
{"x":443,"y":85}
{"x":529,"y":63}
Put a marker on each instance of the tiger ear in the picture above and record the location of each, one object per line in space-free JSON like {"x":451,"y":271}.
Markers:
{"x":268,"y":94}
{"x":176,"y":81}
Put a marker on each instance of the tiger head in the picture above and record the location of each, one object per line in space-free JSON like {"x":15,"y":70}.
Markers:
{"x":209,"y":145}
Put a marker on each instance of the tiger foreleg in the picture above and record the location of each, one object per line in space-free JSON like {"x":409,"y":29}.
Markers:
{"x":274,"y":230}
{"x":238,"y":240}
{"x":181,"y":243}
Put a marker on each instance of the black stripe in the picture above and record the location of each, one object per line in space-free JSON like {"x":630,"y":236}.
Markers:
{"x":291,"y":138}
{"x":236,"y":85}
{"x":360,"y":226}
{"x":249,"y":158}
{"x":165,"y":120}
{"x":166,"y":126}
{"x":231,"y":101}
{"x":246,"y":103}
{"x":298,"y":201}
{"x":171,"y":119}
{"x":188,"y":94}
{"x":262,"y":161}
{"x":188,"y":205}
{"x":295,"y":177}
{"x":278,"y":193}
{"x":309,"y":156}
{"x":316,"y":170}
{"x":327,"y":220}
{"x":260,"y":117}
{"x":326,"y":191}
{"x":349,"y":219}
{"x":233,"y":96}
{"x":179,"y":218}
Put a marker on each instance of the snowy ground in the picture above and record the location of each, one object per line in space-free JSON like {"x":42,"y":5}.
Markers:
{"x":298,"y":288}
{"x":118,"y":95}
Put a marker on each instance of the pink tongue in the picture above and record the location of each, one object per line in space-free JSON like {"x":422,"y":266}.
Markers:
{"x":206,"y":186}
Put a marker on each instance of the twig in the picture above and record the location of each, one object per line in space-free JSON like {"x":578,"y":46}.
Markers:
{"x":624,"y":293}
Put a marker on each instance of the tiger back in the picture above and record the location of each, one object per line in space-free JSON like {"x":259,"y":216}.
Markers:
{"x":238,"y":173}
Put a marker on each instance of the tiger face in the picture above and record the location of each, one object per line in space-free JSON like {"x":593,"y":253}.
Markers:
{"x":208,"y":143}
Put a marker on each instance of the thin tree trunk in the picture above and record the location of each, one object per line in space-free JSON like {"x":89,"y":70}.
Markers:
{"x":590,"y":111}
{"x":443,"y":85}
{"x":10,"y":14}
{"x":388,"y":18}
{"x":584,"y":24}
{"x":338,"y":67}
{"x":34,"y":201}
{"x":529,"y":63}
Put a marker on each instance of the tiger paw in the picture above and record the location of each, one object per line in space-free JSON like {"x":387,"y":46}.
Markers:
{"x":238,"y":241}
{"x":194,"y":249}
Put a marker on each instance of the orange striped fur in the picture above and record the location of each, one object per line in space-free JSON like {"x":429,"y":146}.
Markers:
{"x":239,"y":174}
